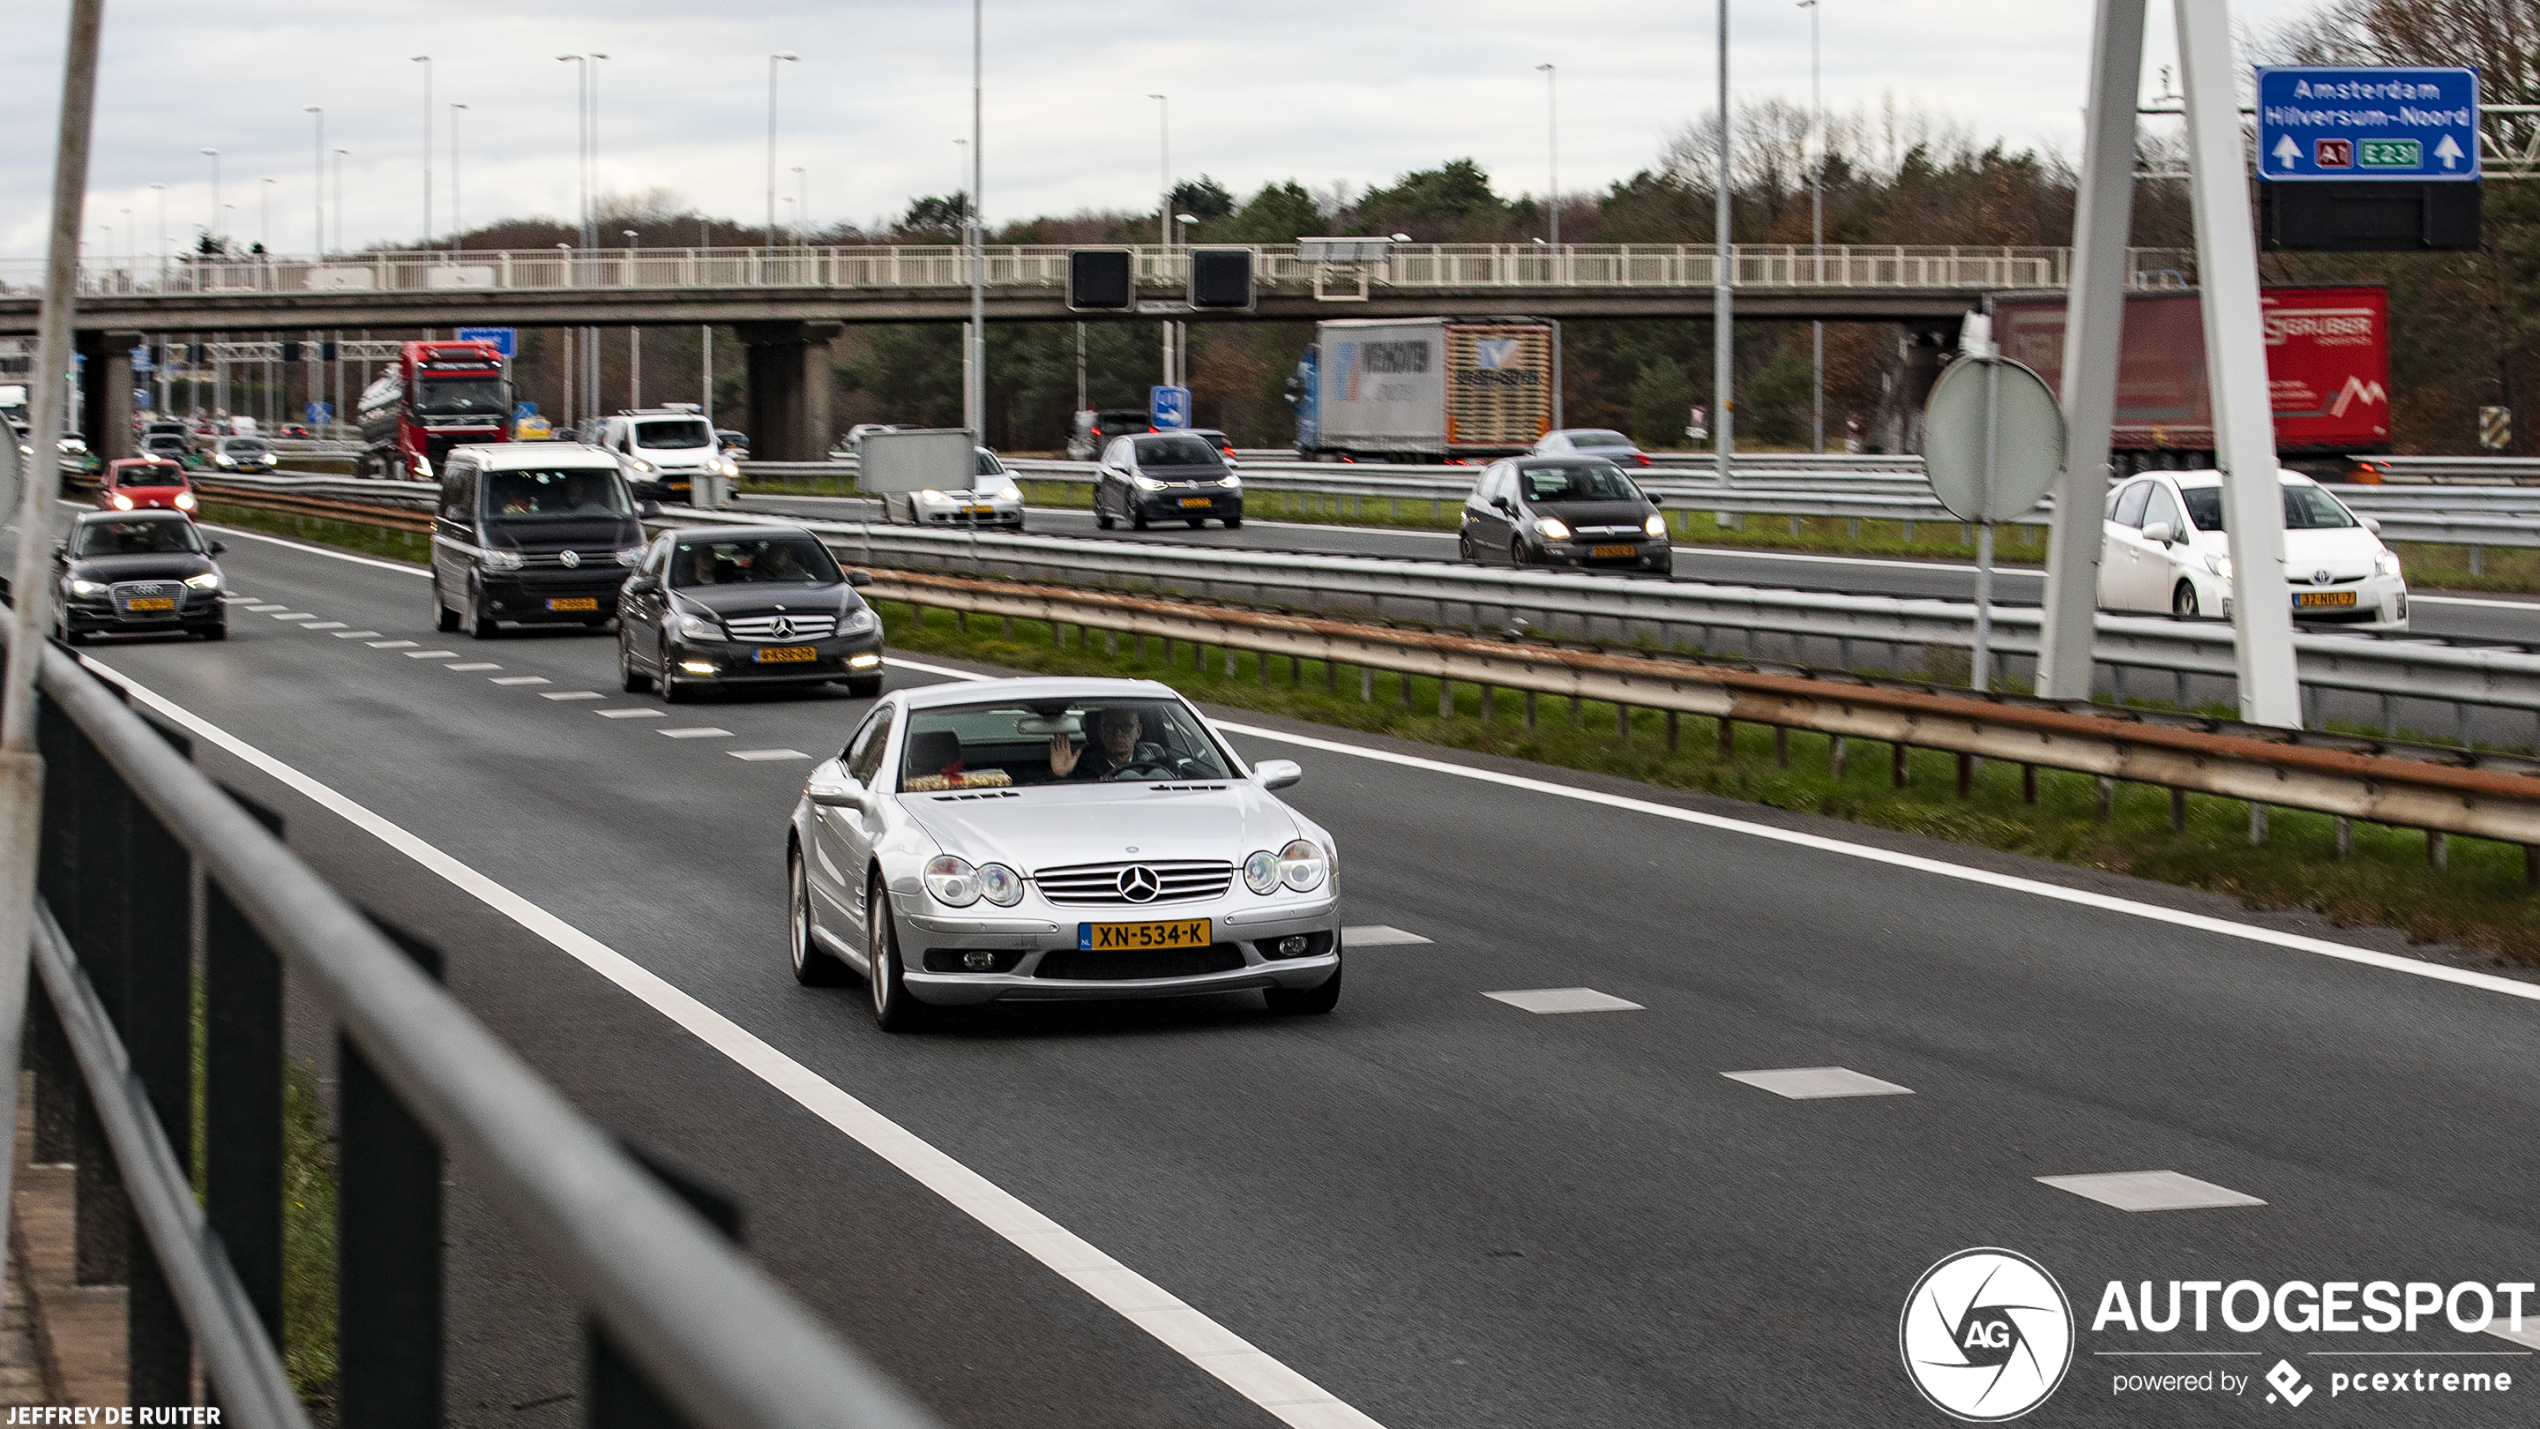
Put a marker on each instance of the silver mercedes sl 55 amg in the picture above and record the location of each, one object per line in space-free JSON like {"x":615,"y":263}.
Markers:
{"x":1055,"y":840}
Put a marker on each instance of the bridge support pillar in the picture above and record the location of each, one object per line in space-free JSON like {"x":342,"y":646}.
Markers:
{"x":790,"y":387}
{"x":105,"y":392}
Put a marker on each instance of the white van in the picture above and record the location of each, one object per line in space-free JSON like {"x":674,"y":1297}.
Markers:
{"x":663,"y":450}
{"x":2163,"y":551}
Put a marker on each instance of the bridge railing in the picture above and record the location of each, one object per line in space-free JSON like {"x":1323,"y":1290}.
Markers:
{"x":1459,"y":266}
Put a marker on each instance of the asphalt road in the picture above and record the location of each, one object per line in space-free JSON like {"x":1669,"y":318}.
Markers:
{"x":2468,"y":618}
{"x":1445,"y":1210}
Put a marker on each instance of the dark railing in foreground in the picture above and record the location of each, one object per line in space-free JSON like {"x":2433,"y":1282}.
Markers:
{"x":683,"y":1328}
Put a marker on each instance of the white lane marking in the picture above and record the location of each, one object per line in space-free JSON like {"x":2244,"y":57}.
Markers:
{"x":761,"y":756}
{"x":262,"y":609}
{"x":696,"y":732}
{"x":1229,"y":1358}
{"x":474,"y":665}
{"x":395,"y":645}
{"x":1377,"y":935}
{"x":2530,"y":607}
{"x":293,"y":615}
{"x":2151,"y":1191}
{"x":327,"y":551}
{"x":432,"y":654}
{"x":623,"y":714}
{"x":234,"y":598}
{"x":1563,"y":999}
{"x":325,"y":625}
{"x":574,"y":695}
{"x":1810,"y":1083}
{"x":522,"y":680}
{"x":355,"y":634}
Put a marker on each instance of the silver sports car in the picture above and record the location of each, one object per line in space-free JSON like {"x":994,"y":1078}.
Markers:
{"x":1057,"y":839}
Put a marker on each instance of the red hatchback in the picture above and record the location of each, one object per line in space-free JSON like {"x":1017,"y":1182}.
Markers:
{"x":141,"y":483}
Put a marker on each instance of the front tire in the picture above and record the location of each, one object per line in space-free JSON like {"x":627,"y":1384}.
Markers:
{"x":894,"y":1010}
{"x":479,"y":626}
{"x":630,"y":679}
{"x":444,"y":619}
{"x":1234,"y":523}
{"x":1322,"y":997}
{"x":812,"y":966}
{"x":1517,"y":553}
{"x":214,"y":632}
{"x":1137,"y":520}
{"x":1102,"y":517}
{"x":1198,"y":521}
{"x":2183,"y":601}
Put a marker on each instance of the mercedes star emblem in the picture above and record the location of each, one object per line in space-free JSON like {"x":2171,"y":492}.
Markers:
{"x":1139,"y":884}
{"x":784,"y":628}
{"x":569,"y":559}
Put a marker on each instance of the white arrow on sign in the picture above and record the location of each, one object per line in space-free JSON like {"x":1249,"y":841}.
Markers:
{"x":2288,"y":153}
{"x":2449,"y":151}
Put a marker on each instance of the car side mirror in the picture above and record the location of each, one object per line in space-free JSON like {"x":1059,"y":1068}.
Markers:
{"x":61,"y":550}
{"x":839,"y":791}
{"x":2160,"y":531}
{"x":2372,"y":524}
{"x":649,"y":510}
{"x":642,"y":585}
{"x":1502,"y":503}
{"x":859,"y":578}
{"x":220,"y":548}
{"x":1278,"y":773}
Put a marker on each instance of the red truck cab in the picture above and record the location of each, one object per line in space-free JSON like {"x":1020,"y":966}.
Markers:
{"x":143,"y":483}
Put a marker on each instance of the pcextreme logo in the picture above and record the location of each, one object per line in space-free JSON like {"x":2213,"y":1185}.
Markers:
{"x":1986,"y":1335}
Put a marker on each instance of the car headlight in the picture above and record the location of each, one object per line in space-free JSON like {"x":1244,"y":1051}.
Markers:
{"x":1000,"y":885}
{"x":857,"y":623}
{"x":1008,"y":492}
{"x":1551,"y":529}
{"x":698,"y":627}
{"x":1301,"y":864}
{"x":1261,"y":872}
{"x":630,"y":555}
{"x":1654,"y":524}
{"x":223,"y":459}
{"x":423,"y":468}
{"x":208,"y":580}
{"x":643,"y":465}
{"x":1230,"y":480}
{"x":728,"y":467}
{"x":1143,"y":482}
{"x":2220,"y":565}
{"x":953,"y":881}
{"x":121,"y":501}
{"x":498,"y":559}
{"x":933,"y":497}
{"x":80,"y":587}
{"x":2387,"y":563}
{"x":185,"y":501}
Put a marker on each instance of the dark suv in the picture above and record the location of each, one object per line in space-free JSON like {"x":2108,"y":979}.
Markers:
{"x":1161,"y":476}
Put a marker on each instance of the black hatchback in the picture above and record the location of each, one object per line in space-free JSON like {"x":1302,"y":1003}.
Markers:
{"x":1563,"y":511}
{"x":138,"y":573}
{"x":1166,"y":476}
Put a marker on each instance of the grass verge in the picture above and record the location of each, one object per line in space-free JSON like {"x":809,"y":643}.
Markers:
{"x":2478,"y":901}
{"x":387,"y":542}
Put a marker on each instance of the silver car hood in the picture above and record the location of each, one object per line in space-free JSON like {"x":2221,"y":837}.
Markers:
{"x":1050,"y":826}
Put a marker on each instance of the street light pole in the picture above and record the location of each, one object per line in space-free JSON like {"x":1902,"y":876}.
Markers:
{"x":457,"y":228}
{"x":211,"y":229}
{"x":426,"y":62}
{"x":634,"y":337}
{"x":1723,"y":303}
{"x":1816,"y":225}
{"x":162,"y":191}
{"x":975,"y":398}
{"x":1164,"y":211}
{"x":317,"y":181}
{"x":1552,"y":122}
{"x":802,"y":208}
{"x":264,"y":215}
{"x":339,"y":197}
{"x":772,"y":61}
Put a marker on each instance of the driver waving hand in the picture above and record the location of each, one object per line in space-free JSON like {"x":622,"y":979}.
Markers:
{"x":1114,"y":746}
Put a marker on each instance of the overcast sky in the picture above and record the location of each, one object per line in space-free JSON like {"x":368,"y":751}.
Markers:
{"x":1316,"y":90}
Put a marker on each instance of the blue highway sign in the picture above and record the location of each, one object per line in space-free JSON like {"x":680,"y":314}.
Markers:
{"x":2322,"y":122}
{"x":503,"y":338}
{"x":1169,"y":407}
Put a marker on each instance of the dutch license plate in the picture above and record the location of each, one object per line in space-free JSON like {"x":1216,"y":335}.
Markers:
{"x":1188,"y":933}
{"x":574,"y":602}
{"x":784,"y":655}
{"x":1197,"y":501}
{"x":154,"y":602}
{"x":1607,"y":552}
{"x":2324,"y":597}
{"x":978,"y":511}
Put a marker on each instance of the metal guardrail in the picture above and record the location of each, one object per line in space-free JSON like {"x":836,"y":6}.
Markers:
{"x":2442,"y":791}
{"x":686,"y":1328}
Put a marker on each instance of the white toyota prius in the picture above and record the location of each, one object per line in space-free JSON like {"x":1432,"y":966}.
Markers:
{"x":2164,"y":550}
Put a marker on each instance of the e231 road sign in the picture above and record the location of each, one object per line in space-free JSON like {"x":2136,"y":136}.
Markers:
{"x":2340,"y":123}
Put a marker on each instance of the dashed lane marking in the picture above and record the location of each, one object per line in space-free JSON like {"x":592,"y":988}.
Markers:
{"x":699,"y":732}
{"x":628,"y":714}
{"x":356,"y":634}
{"x":522,"y":680}
{"x":432,"y":654}
{"x":574,"y":695}
{"x":395,"y":645}
{"x":325,"y":625}
{"x":294,"y":615}
{"x":761,"y":756}
{"x":2151,"y":1191}
{"x":1232,"y":1360}
{"x":1377,"y":935}
{"x":1563,"y":999}
{"x":1810,"y":1083}
{"x":261,"y":609}
{"x":474,"y":665}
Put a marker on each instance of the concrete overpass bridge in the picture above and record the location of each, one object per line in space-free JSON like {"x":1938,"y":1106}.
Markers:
{"x":786,"y":302}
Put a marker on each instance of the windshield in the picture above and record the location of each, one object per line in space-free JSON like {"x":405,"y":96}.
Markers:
{"x":1060,"y":741}
{"x":1176,"y":451}
{"x":158,"y":473}
{"x":775,"y":560}
{"x":1599,"y":439}
{"x":137,"y":538}
{"x":514,"y":495}
{"x":989,"y":465}
{"x":2306,"y":508}
{"x":243,"y":446}
{"x":1586,"y":481}
{"x":673,"y":435}
{"x":462,"y":396}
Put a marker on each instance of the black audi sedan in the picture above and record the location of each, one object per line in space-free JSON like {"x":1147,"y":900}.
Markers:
{"x":1563,"y":511}
{"x":1165,"y":476}
{"x":744,"y":605}
{"x":138,"y":573}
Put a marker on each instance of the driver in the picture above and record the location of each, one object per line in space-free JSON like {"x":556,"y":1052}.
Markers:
{"x":1113,"y":746}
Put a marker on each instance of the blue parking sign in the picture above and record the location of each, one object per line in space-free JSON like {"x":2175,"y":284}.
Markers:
{"x":2344,"y":123}
{"x":1169,"y":407}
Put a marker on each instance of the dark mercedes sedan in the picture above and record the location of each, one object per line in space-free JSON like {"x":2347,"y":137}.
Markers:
{"x":138,"y":573}
{"x":1563,"y":511}
{"x":745,"y":605}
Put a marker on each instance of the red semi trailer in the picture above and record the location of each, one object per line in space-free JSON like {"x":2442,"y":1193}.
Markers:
{"x":440,"y":395}
{"x":2328,"y":366}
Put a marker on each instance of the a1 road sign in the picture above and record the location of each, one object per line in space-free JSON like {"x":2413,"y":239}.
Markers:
{"x":2320,"y":122}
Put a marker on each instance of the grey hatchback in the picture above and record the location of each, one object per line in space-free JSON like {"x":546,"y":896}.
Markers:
{"x":1563,"y":511}
{"x":1158,"y":476}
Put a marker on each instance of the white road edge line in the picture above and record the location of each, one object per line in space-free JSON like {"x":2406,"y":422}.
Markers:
{"x":320,"y":550}
{"x":2009,"y":883}
{"x":1228,"y":1357}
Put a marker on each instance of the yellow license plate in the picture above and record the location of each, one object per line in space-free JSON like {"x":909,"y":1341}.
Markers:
{"x":156,"y":602}
{"x":574,"y":602}
{"x":1609,"y":552}
{"x":1197,"y":501}
{"x":978,"y":511}
{"x":784,"y":654}
{"x":1188,"y":933}
{"x":2324,"y":597}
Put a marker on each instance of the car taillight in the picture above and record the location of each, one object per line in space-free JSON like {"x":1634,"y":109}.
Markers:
{"x":1641,"y":457}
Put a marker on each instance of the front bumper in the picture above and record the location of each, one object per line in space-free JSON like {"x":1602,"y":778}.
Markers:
{"x":1038,"y":960}
{"x":527,"y":597}
{"x":1215,"y":503}
{"x":1646,"y":552}
{"x":735,"y":662}
{"x":97,"y":615}
{"x":979,"y":514}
